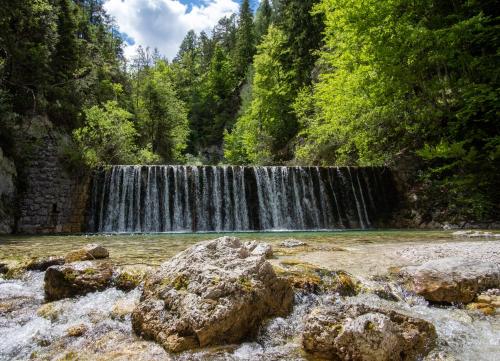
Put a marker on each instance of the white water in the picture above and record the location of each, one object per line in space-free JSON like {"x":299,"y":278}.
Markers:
{"x":185,"y":198}
{"x":462,"y":334}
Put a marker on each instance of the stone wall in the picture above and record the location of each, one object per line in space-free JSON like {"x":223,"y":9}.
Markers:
{"x":52,"y":200}
{"x":7,"y":193}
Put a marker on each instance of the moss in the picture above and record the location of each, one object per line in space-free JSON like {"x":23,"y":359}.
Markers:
{"x":347,"y":286}
{"x":292,"y":262}
{"x":485,"y":308}
{"x":129,"y":280}
{"x":306,"y":276}
{"x":369,"y":326}
{"x":90,"y":271}
{"x":165,"y":282}
{"x":246,"y":283}
{"x":337,"y":328}
{"x":180,"y":282}
{"x":15,"y":272}
{"x":70,"y":275}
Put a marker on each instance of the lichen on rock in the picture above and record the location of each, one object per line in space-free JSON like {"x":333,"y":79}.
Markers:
{"x":215,"y":292}
{"x":350,"y":331}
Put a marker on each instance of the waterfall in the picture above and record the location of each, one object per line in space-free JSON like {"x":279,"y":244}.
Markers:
{"x":233,"y":198}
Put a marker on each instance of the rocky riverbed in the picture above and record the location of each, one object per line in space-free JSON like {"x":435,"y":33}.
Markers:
{"x":231,"y":299}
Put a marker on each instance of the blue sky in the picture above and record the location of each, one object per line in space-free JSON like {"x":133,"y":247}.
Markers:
{"x":164,"y":23}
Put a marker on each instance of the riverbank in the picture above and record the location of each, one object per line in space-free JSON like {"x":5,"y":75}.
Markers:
{"x":97,"y":326}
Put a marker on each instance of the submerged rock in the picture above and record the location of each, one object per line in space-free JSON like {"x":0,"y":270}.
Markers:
{"x":488,"y":302}
{"x":50,"y":311}
{"x":215,"y":292}
{"x":292,"y":243}
{"x":87,"y":253}
{"x":475,"y":234}
{"x":76,"y":331}
{"x":41,"y":264}
{"x":75,"y":279}
{"x":362,"y":332}
{"x":451,"y":280}
{"x":123,"y":308}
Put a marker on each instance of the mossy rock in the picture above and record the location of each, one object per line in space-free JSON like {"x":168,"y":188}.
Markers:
{"x":307,"y":277}
{"x":49,"y":311}
{"x":485,"y":308}
{"x":76,"y":279}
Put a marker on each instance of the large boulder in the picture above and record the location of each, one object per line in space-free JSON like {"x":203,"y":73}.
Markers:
{"x":215,"y":292}
{"x":358,"y":332}
{"x":87,"y":253}
{"x":451,"y":280}
{"x":78,"y":278}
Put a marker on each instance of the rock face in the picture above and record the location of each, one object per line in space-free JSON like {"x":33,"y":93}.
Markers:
{"x":75,"y":279}
{"x":87,"y":253}
{"x":451,"y":280}
{"x":358,"y":332}
{"x":213,"y":293}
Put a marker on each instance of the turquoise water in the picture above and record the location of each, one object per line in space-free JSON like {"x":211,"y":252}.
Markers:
{"x":153,"y":249}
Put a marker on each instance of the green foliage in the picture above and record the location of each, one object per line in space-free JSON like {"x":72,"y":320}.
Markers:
{"x":245,"y":39}
{"x":162,"y":117}
{"x":57,"y":54}
{"x":413,"y":83}
{"x":107,"y":136}
{"x":263,"y":19}
{"x":28,"y":34}
{"x":304,"y":31}
{"x":263,"y":131}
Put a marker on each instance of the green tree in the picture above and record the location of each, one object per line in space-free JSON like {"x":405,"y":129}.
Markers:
{"x":63,"y":100}
{"x":304,"y":31}
{"x":245,"y":39}
{"x":107,"y":136}
{"x":218,"y":91}
{"x":263,"y":19}
{"x":263,"y":133}
{"x":413,"y":85}
{"x":162,"y":116}
{"x":28,"y":34}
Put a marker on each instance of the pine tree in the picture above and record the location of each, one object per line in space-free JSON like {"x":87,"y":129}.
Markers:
{"x":263,"y":19}
{"x":245,"y":39}
{"x":304,"y":31}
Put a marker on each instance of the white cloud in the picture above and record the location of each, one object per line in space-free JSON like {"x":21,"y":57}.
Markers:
{"x":163,"y":24}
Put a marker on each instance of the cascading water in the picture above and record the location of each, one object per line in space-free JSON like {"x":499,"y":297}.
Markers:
{"x":234,"y":198}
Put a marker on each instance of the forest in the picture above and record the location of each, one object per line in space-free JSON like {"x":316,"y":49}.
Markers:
{"x":411,"y":85}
